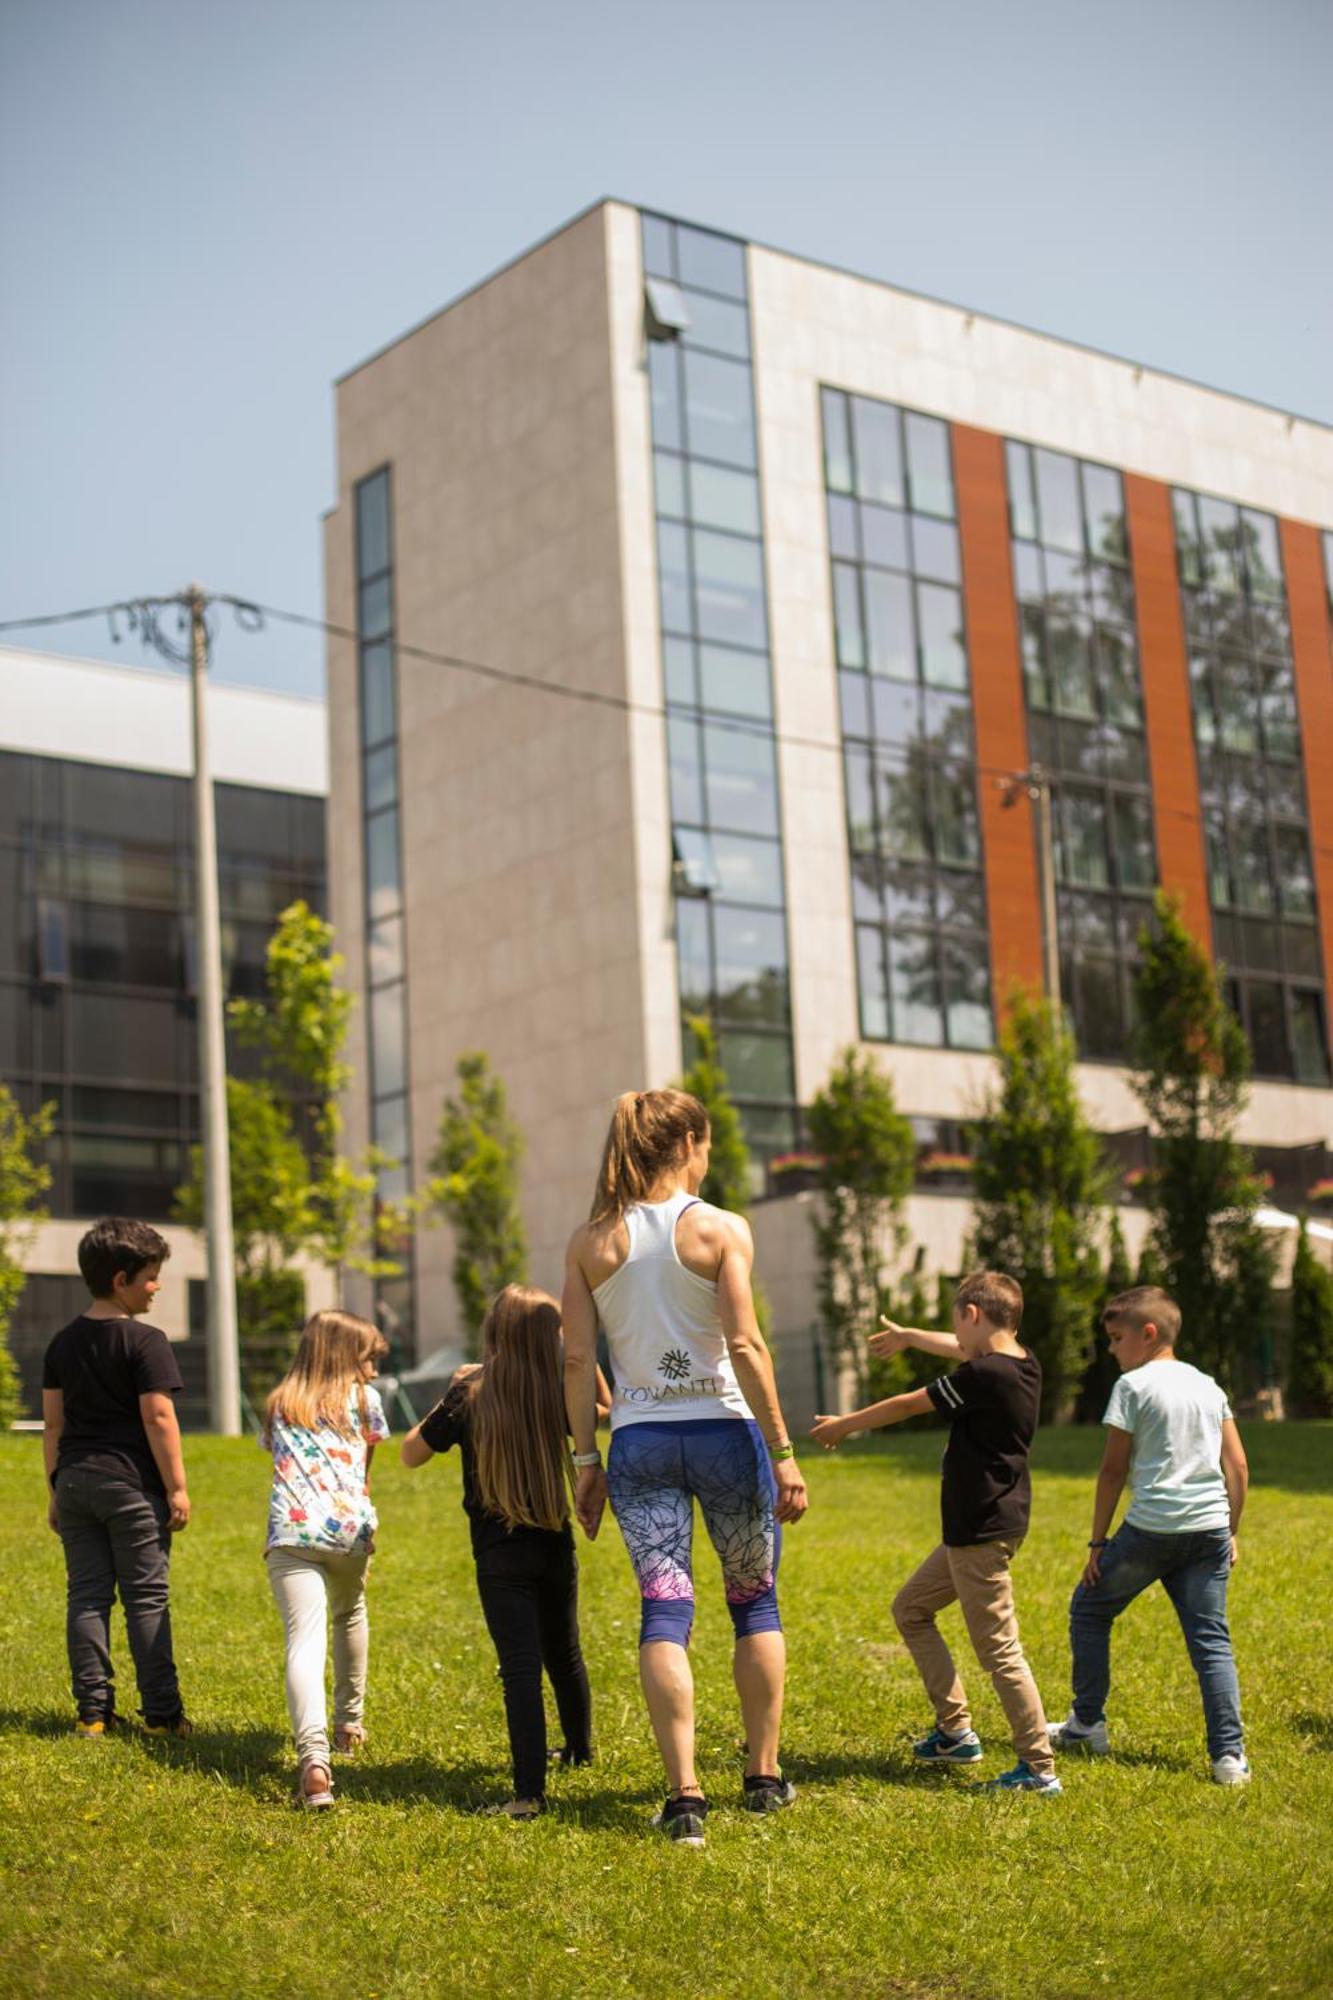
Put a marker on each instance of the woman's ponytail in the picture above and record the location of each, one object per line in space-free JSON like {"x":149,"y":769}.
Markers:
{"x":646,"y":1137}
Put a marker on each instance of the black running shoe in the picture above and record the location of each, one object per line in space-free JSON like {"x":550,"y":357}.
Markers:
{"x":765,"y":1795}
{"x":682,"y":1819}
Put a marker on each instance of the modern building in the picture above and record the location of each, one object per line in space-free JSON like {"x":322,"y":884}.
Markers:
{"x":708,"y":601}
{"x":97,"y":953}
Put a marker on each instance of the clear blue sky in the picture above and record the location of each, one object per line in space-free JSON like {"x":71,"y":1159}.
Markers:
{"x":207,"y":212}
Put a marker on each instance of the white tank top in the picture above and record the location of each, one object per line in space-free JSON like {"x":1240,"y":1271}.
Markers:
{"x":662,"y":1326}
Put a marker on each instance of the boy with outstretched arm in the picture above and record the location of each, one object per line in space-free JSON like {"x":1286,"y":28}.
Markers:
{"x":992,"y":1402}
{"x":115,"y":1476}
{"x":1171,"y":1434}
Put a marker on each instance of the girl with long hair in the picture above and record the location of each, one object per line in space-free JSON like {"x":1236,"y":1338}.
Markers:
{"x":322,"y":1424}
{"x":507,"y":1417}
{"x":695,"y":1415}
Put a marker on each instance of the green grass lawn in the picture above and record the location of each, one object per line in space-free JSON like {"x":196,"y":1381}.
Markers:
{"x":140,"y":1867}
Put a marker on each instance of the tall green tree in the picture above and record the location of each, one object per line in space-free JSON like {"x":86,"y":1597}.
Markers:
{"x":1100,"y":1374}
{"x":867,"y":1151}
{"x":1310,"y":1358}
{"x":1191,"y":1073}
{"x":1041,"y":1186}
{"x":727,"y":1182}
{"x":476,"y":1189}
{"x":24,"y":1179}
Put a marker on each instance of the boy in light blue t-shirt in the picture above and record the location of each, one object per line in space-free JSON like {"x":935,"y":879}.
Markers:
{"x":1171,"y":1433}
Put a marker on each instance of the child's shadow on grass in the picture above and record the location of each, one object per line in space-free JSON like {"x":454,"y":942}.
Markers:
{"x":1319,"y":1729}
{"x":899,"y":1767}
{"x":240,"y":1756}
{"x":468,"y":1788}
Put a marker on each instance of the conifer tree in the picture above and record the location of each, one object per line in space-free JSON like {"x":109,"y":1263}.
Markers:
{"x":476,"y":1169}
{"x":1310,"y":1360}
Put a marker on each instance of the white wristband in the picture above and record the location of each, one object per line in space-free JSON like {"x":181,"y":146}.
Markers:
{"x":586,"y":1458}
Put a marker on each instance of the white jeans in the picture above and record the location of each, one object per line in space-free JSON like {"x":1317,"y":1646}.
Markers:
{"x":306,"y":1583}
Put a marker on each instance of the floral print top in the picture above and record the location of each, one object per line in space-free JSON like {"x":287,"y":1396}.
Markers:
{"x":319,"y":1498}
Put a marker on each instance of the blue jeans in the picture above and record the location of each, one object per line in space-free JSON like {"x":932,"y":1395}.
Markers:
{"x":1192,"y":1569}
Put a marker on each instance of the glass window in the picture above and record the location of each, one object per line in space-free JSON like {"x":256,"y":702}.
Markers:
{"x":1022,"y":500}
{"x":751,"y":949}
{"x":123,"y":946}
{"x":1069,"y":649}
{"x":126,"y":1038}
{"x":657,"y":247}
{"x":896,"y":708}
{"x":388,"y":1040}
{"x":722,"y":499}
{"x":847,"y":616}
{"x":960,"y":898}
{"x":1294,"y":873}
{"x":884,"y":536}
{"x":1219,"y":534}
{"x":693,"y":955}
{"x":736,"y":683}
{"x":378,"y":721}
{"x":842,"y":536}
{"x":879,"y":465}
{"x":1136,"y":866}
{"x":853,"y":696}
{"x":678,"y":671}
{"x":384,"y":946}
{"x":383,"y":888}
{"x":1237,"y":712}
{"x":1029,"y":574}
{"x":664,"y":393}
{"x":389,"y":1126}
{"x":742,"y":780}
{"x":717,"y":324}
{"x":673,"y":576}
{"x":685,"y":766}
{"x":935,"y":550}
{"x":1263,"y":554}
{"x":837,"y":442}
{"x":1309,"y":1037}
{"x":873,"y":984}
{"x":1118,"y":672}
{"x":914,"y":988}
{"x":1277,"y":710}
{"x":859,"y":772}
{"x":943,"y":654}
{"x":1082,"y":845}
{"x":729,"y":588}
{"x":381,"y":788}
{"x":903,"y":809}
{"x":372,"y":525}
{"x":948,"y":722}
{"x":954,"y":815}
{"x":930,"y":474}
{"x":669,"y":485}
{"x":138,"y":1175}
{"x":719,"y":409}
{"x":1187,"y":538}
{"x":1104,"y":505}
{"x":1061,"y":514}
{"x":714,"y":263}
{"x":376,"y":608}
{"x":967,"y":993}
{"x":137,"y":1110}
{"x":888,"y":602}
{"x":105,"y":804}
{"x":756,"y":1065}
{"x":1097,"y":1002}
{"x":749,"y":871}
{"x":1266,"y":1023}
{"x":909,"y":896}
{"x":1251,"y":875}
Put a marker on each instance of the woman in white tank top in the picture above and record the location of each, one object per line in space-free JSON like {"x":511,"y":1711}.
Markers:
{"x":694,"y":1415}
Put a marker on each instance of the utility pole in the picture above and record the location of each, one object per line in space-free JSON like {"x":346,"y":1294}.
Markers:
{"x":1035,"y":784}
{"x":224,"y":1385}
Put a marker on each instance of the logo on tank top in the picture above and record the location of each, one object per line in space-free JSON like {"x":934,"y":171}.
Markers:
{"x":675,"y":1364}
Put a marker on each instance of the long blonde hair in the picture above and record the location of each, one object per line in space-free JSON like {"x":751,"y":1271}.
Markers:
{"x":645,"y":1139}
{"x":518,"y":1412}
{"x":325,"y":1372}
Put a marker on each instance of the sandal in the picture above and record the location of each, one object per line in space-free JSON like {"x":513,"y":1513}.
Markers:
{"x":348,"y":1738}
{"x":314,"y":1786}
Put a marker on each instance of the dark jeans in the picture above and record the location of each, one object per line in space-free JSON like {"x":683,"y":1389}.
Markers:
{"x":116,"y":1538}
{"x":530,"y":1596}
{"x":1193,"y":1570}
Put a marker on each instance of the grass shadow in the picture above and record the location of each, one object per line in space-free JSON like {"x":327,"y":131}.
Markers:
{"x":1318,"y":1728}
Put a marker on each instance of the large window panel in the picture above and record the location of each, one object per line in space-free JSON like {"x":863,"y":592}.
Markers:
{"x":742,"y":780}
{"x":719,"y":409}
{"x":729,"y":589}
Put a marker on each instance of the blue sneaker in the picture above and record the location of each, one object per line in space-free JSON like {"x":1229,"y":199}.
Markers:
{"x":941,"y":1748}
{"x":1024,"y":1779}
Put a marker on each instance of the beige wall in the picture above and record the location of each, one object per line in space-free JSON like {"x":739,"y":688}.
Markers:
{"x":519,"y":822}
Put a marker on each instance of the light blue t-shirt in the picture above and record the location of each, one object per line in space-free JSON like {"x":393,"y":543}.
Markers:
{"x":1175,"y":1414}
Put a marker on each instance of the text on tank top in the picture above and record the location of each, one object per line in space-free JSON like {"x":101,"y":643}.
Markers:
{"x":662,"y":1325}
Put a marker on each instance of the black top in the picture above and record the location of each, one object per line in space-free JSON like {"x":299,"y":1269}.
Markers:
{"x":450,"y":1422}
{"x":102,"y":1367}
{"x":992,"y":1405}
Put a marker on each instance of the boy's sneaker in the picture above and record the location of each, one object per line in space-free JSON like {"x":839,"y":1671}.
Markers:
{"x":95,"y":1728}
{"x":682,"y":1819}
{"x":941,"y":1748}
{"x":1231,"y":1770}
{"x":1071,"y":1734}
{"x":180,"y":1725}
{"x":765,"y":1795}
{"x":1024,"y":1779}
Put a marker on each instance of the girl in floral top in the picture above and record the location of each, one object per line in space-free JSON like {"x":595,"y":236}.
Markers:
{"x":322,"y":1424}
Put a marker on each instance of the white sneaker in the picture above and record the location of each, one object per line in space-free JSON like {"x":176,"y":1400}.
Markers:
{"x":1231,"y":1770}
{"x":1071,"y":1734}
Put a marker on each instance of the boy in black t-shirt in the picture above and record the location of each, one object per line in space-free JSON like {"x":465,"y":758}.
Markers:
{"x":117,"y":1480}
{"x":992,"y":1403}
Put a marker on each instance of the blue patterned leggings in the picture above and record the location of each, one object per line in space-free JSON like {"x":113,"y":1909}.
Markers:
{"x":655,"y":1473}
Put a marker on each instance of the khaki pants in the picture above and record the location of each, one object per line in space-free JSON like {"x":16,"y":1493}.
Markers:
{"x":307,"y":1584}
{"x":978,"y":1578}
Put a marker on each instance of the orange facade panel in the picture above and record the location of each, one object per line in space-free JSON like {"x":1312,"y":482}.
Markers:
{"x":1164,"y":670}
{"x":1012,"y":889}
{"x":1312,"y":655}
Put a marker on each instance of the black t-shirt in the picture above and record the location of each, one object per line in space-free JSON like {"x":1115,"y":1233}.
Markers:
{"x":992,"y":1405}
{"x":450,"y":1423}
{"x":102,"y":1367}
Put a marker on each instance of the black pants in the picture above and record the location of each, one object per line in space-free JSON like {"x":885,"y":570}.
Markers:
{"x":116,"y":1537}
{"x":529,"y":1589}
